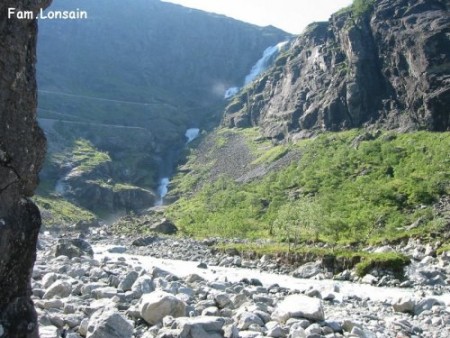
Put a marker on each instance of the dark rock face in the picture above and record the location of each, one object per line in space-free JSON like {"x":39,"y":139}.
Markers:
{"x":93,"y":195}
{"x":22,"y":149}
{"x":75,"y":247}
{"x":390,"y":66}
{"x":164,"y":226}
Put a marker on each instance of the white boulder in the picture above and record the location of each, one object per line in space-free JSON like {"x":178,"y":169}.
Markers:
{"x":158,"y":304}
{"x":299,"y":306}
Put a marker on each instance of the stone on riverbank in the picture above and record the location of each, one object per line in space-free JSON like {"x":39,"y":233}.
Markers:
{"x":106,"y":323}
{"x":158,"y":304}
{"x":299,"y":306}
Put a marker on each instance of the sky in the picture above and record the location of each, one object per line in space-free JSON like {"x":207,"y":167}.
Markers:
{"x":290,"y":15}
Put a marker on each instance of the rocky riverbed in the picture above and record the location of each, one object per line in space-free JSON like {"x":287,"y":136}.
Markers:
{"x":105,"y":286}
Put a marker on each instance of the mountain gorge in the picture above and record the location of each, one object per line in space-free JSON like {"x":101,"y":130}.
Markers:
{"x":118,"y":90}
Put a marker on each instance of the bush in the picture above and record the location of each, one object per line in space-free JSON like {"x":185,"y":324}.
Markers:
{"x":337,"y":192}
{"x":388,"y":261}
{"x":361,"y":7}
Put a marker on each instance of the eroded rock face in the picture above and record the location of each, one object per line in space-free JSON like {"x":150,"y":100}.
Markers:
{"x":22,"y":149}
{"x":389,"y":66}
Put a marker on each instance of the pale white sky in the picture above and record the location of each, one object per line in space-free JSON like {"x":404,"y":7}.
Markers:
{"x":290,"y":15}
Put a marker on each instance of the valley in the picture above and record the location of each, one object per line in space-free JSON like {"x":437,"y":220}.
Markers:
{"x":227,"y":168}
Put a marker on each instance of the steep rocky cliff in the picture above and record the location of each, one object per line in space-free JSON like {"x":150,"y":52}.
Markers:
{"x":387,"y":65}
{"x":22,"y":148}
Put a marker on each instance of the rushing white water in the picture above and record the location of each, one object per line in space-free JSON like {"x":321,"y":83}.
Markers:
{"x":184,"y":268}
{"x":260,"y":66}
{"x":191,"y":134}
{"x":163,"y":186}
{"x":230,"y":92}
{"x":163,"y":189}
{"x":263,"y":63}
{"x":60,"y":187}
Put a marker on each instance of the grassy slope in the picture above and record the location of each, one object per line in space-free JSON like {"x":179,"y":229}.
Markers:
{"x":59,"y":213}
{"x":341,"y":191}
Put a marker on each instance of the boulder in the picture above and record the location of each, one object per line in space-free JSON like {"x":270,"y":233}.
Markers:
{"x":107,"y":323}
{"x":425,"y":304}
{"x":307,"y":270}
{"x":299,"y":306}
{"x":85,"y":225}
{"x":48,"y":332}
{"x":275,"y":330}
{"x":142,"y":285}
{"x":128,"y":281}
{"x":201,"y":327}
{"x":369,"y":279}
{"x":144,"y":241}
{"x":153,"y":307}
{"x":246,"y":319}
{"x":117,"y":249}
{"x":58,"y":289}
{"x":404,"y":304}
{"x":75,"y":247}
{"x":165,"y":227}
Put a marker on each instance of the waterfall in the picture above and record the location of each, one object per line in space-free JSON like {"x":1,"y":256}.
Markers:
{"x":192,"y":134}
{"x":230,"y":92}
{"x":264,"y":63}
{"x":61,"y":187}
{"x":260,"y":66}
{"x":163,"y":189}
{"x":163,"y":185}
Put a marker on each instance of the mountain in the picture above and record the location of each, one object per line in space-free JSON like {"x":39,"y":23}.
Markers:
{"x":118,"y":90}
{"x":344,"y":141}
{"x":383,"y":63}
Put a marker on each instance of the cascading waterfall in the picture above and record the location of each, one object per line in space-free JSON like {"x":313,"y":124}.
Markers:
{"x":191,"y":134}
{"x":260,"y":66}
{"x":230,"y":92}
{"x":163,"y":187}
{"x":61,"y":187}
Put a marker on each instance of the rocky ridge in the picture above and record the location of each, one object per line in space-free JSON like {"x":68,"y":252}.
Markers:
{"x":388,"y":66}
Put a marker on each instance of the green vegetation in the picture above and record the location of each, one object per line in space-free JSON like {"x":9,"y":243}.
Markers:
{"x":443,"y":248}
{"x":360,"y":7}
{"x":115,"y":187}
{"x":365,"y":261}
{"x":87,"y":157}
{"x":393,"y":261}
{"x":57,"y":212}
{"x":271,"y":155}
{"x":82,"y":153}
{"x":347,"y":188}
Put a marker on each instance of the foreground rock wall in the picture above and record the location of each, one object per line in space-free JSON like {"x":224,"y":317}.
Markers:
{"x":22,"y":149}
{"x":390,"y":66}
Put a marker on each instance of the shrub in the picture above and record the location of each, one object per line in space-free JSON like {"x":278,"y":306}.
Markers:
{"x":388,"y":261}
{"x":361,"y":7}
